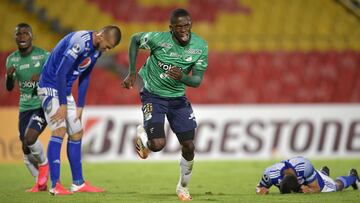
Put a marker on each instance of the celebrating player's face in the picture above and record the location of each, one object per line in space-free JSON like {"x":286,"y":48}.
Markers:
{"x":181,"y":29}
{"x":23,"y":38}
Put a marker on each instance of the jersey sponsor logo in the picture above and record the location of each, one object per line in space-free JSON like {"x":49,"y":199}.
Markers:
{"x":15,"y":59}
{"x":84,"y":64}
{"x":165,"y":45}
{"x":193,"y":51}
{"x":25,"y":97}
{"x":28,"y":84}
{"x":165,"y":66}
{"x":24,"y":66}
{"x":37,"y":57}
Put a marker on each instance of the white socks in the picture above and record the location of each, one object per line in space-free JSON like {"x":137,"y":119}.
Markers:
{"x":31,"y":163}
{"x":37,"y":151}
{"x":185,"y":171}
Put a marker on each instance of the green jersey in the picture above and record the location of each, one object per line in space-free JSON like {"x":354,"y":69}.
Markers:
{"x":25,"y":68}
{"x":165,"y":54}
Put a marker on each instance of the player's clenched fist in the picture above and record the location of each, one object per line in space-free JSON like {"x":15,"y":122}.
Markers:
{"x":129,"y":81}
{"x":175,"y":73}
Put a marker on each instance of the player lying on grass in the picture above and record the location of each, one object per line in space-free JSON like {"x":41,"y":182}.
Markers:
{"x":299,"y":175}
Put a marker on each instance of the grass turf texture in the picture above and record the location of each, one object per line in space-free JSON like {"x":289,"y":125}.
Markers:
{"x":212,"y":181}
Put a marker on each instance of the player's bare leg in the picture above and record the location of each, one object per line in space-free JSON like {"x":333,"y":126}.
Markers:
{"x":37,"y":151}
{"x":186,"y":165}
{"x":31,"y":164}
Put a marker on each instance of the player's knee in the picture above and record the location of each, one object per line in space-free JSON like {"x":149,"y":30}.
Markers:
{"x":60,"y":132}
{"x":188,"y":146}
{"x":24,"y":147}
{"x":77,"y":136}
{"x":31,"y":136}
{"x":157,"y":144}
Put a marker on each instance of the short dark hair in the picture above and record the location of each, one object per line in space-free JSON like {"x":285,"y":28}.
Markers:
{"x":24,"y":25}
{"x":289,"y":184}
{"x":179,"y":12}
{"x":114,"y":31}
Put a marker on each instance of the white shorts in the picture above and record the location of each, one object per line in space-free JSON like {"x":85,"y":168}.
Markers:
{"x":50,"y":103}
{"x":329,"y":183}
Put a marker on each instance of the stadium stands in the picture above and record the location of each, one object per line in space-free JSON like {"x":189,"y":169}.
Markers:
{"x":281,"y":51}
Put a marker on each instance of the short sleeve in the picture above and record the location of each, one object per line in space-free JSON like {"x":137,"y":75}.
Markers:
{"x":10,"y":63}
{"x":265,"y":179}
{"x":147,"y":40}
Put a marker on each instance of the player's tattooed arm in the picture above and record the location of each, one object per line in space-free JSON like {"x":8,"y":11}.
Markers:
{"x":9,"y":78}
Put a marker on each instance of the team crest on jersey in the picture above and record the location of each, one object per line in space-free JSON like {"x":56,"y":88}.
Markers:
{"x":147,"y":110}
{"x":188,"y":58}
{"x":84,"y":64}
{"x":193,"y":51}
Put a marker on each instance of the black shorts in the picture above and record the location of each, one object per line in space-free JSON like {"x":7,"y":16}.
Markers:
{"x":34,"y":119}
{"x":178,"y":112}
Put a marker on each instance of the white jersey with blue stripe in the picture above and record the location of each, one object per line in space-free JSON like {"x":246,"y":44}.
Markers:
{"x":305,"y":172}
{"x":78,"y":46}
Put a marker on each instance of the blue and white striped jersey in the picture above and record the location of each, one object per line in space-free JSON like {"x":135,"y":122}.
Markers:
{"x":305,"y":172}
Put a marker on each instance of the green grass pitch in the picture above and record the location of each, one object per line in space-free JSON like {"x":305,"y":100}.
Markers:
{"x":212,"y":181}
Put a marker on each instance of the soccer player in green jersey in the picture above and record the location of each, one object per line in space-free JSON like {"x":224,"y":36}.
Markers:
{"x":25,"y":65}
{"x":166,"y":73}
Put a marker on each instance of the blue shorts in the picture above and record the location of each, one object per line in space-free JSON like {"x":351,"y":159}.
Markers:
{"x":178,"y":111}
{"x":34,"y":119}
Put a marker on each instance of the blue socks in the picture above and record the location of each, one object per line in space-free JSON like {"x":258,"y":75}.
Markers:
{"x":74,"y":156}
{"x":347,"y":180}
{"x":53,"y":154}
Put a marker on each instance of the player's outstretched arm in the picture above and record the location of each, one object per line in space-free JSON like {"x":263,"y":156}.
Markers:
{"x":129,"y":81}
{"x":10,"y":78}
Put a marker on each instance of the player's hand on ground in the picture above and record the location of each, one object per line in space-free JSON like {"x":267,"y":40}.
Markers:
{"x":10,"y":71}
{"x":306,"y":189}
{"x":129,"y":81}
{"x":262,"y":190}
{"x":175,"y":73}
{"x":60,"y":114}
{"x":35,"y":78}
